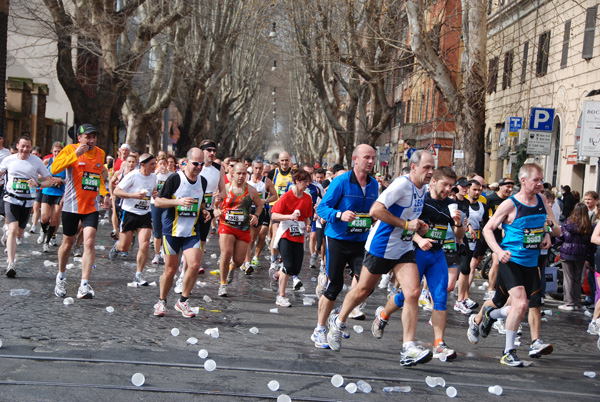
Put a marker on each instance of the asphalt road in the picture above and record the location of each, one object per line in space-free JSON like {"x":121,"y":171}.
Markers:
{"x":51,"y":351}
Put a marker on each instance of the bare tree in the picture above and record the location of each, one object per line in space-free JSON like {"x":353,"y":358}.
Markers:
{"x":114,"y":41}
{"x":465,"y":99}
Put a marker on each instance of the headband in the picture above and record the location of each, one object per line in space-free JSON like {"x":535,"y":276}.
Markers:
{"x":208,"y":145}
{"x":148,"y":159}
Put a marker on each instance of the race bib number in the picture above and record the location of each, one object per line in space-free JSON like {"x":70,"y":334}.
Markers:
{"x":532,"y":238}
{"x":20,"y":186}
{"x":160,"y":185}
{"x":296,"y":230}
{"x":449,"y":246}
{"x":208,"y":199}
{"x":437,"y":233}
{"x":234,"y":218}
{"x":361,"y":224}
{"x":143,"y":204}
{"x":407,"y":235}
{"x":90,"y":181}
{"x":281,"y":190}
{"x":190,"y":211}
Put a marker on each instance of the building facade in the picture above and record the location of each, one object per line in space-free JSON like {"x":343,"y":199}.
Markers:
{"x":541,"y":54}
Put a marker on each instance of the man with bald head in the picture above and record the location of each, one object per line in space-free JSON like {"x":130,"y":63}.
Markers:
{"x":345,"y":207}
{"x":282,"y":180}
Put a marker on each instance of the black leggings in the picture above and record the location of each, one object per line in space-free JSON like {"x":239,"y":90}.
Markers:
{"x":292,"y":254}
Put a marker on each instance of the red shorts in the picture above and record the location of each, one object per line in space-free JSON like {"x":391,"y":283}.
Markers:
{"x":243,"y":235}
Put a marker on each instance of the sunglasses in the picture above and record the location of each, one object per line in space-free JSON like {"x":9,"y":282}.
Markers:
{"x":196,"y":164}
{"x":210,"y":150}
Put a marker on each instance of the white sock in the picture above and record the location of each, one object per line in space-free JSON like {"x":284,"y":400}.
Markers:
{"x":320,"y":328}
{"x":84,"y":282}
{"x":61,"y":275}
{"x":510,"y":340}
{"x":339,"y":323}
{"x":407,"y":345}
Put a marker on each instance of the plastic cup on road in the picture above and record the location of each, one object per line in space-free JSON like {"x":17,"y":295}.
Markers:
{"x":432,"y":381}
{"x":214,"y":333}
{"x":68,"y":300}
{"x":0,"y":343}
{"x":207,"y":298}
{"x":451,"y":392}
{"x":138,"y":379}
{"x":589,"y":374}
{"x":254,"y":330}
{"x":273,"y":385}
{"x":358,"y":329}
{"x":110,"y":309}
{"x":274,"y":311}
{"x":210,"y":365}
{"x":440,"y":381}
{"x":337,"y":380}
{"x":443,"y":358}
{"x":351,"y":388}
{"x":284,"y":398}
{"x":192,"y":341}
{"x":175,"y":332}
{"x":496,"y":390}
{"x":202,"y":353}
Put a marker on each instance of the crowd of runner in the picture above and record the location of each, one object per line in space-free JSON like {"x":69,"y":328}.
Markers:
{"x":420,"y":236}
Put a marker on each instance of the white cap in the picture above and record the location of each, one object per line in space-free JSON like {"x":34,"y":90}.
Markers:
{"x":125,"y":146}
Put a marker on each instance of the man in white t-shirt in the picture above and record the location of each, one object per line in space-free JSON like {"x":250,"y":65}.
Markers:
{"x":136,"y":190}
{"x":22,"y":170}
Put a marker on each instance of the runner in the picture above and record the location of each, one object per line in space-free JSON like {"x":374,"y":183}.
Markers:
{"x":215,"y":191}
{"x":523,"y":218}
{"x":441,"y":215}
{"x":476,"y":211}
{"x":83,"y":163}
{"x":235,"y":220}
{"x":182,"y":196}
{"x":258,"y":233}
{"x":22,"y":170}
{"x":35,"y":211}
{"x":282,"y":179}
{"x":345,"y":207}
{"x":136,"y":190}
{"x":389,"y":247}
{"x":293,"y":211}
{"x":162,"y":174}
{"x":130,"y":164}
{"x":51,"y":203}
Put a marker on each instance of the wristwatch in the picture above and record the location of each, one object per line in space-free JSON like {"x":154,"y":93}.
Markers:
{"x":338,"y":216}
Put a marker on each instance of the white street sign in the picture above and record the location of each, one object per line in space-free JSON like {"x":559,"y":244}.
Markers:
{"x":590,"y":129}
{"x":539,"y":143}
{"x":459,"y":154}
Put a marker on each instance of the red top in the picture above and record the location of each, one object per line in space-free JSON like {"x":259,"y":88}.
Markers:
{"x":117,"y":165}
{"x":287,"y":204}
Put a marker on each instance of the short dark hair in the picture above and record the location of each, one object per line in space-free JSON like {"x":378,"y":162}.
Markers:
{"x":446,"y":172}
{"x":320,"y":171}
{"x":337,"y":167}
{"x":300,"y":175}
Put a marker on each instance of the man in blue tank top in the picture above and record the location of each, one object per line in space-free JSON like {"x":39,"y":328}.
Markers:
{"x":523,"y":219}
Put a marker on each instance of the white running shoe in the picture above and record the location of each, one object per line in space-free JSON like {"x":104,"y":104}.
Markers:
{"x":462,"y":308}
{"x":179,"y":284}
{"x":40,"y":238}
{"x":283,"y":301}
{"x":156,"y":258}
{"x":85,"y":292}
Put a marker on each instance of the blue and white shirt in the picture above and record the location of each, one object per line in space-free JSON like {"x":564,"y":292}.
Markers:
{"x":403,"y":199}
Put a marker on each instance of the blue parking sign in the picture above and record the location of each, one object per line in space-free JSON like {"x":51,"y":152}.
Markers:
{"x":515,"y":124}
{"x":541,"y":119}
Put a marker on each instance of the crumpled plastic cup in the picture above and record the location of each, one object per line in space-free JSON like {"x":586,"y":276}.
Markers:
{"x":192,"y":341}
{"x":254,"y":330}
{"x":358,"y":329}
{"x":175,"y":332}
{"x":68,"y":300}
{"x":110,"y":309}
{"x":351,"y":388}
{"x":495,"y":389}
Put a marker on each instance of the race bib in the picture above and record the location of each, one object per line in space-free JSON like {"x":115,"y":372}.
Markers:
{"x":449,"y":246}
{"x":20,"y":186}
{"x":407,"y":235}
{"x":208,"y":199}
{"x":437,"y":233}
{"x":532,"y":238}
{"x":143,"y":204}
{"x":160,"y":185}
{"x":234,"y":218}
{"x":90,"y":181}
{"x":190,"y":211}
{"x":361,"y":224}
{"x":475,"y":238}
{"x":296,"y":230}
{"x":281,"y":190}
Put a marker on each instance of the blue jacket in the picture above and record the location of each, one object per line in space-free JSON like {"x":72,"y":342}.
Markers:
{"x":345,"y":194}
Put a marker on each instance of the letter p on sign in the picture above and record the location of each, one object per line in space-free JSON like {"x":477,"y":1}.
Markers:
{"x":541,"y":119}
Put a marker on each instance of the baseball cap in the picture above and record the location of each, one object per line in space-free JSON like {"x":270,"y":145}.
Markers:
{"x":505,"y":181}
{"x":87,"y":129}
{"x":463,"y":182}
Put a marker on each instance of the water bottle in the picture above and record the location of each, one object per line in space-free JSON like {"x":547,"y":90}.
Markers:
{"x":19,"y":292}
{"x":390,"y":390}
